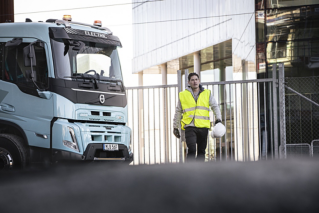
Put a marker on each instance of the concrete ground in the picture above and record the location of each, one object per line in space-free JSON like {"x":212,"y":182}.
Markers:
{"x":268,"y":186}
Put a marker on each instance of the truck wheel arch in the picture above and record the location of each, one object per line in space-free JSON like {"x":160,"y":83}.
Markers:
{"x":12,"y":128}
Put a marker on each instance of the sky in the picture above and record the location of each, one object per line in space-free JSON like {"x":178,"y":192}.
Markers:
{"x":114,"y":14}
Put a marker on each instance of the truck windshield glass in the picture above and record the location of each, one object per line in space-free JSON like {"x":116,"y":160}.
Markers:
{"x":92,"y":59}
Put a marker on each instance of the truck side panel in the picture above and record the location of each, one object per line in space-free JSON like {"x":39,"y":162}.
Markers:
{"x":32,"y":114}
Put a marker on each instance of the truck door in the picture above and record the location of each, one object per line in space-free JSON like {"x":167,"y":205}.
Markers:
{"x":20,"y":102}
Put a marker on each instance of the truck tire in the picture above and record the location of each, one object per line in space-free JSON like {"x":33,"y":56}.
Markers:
{"x":13,"y":153}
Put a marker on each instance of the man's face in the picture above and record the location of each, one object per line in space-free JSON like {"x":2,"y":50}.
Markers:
{"x":194,"y":82}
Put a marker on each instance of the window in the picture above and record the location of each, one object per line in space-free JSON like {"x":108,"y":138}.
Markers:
{"x":288,"y":3}
{"x":14,"y":70}
{"x":98,"y":58}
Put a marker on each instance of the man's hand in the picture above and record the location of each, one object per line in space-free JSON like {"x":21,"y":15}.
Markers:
{"x":218,"y":121}
{"x":176,"y":133}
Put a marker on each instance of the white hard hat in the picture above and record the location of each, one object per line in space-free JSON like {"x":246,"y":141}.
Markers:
{"x":218,"y":131}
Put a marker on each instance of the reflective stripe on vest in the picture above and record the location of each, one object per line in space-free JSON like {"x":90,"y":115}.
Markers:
{"x":193,"y":108}
{"x":198,"y":111}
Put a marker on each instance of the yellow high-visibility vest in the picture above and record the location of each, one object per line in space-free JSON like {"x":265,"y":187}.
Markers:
{"x":199,"y":111}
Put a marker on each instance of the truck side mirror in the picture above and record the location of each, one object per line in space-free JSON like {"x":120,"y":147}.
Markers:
{"x":29,"y":56}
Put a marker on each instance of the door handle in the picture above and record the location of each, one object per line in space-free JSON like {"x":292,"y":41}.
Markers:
{"x":6,"y":108}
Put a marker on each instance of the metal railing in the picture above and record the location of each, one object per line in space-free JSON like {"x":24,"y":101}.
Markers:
{"x":151,"y":110}
{"x":245,"y":113}
{"x":302,"y":109}
{"x":250,"y":113}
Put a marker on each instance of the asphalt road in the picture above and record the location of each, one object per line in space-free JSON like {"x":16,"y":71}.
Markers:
{"x":272,"y":186}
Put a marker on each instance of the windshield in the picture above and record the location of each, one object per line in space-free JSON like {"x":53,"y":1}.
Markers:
{"x":82,"y":57}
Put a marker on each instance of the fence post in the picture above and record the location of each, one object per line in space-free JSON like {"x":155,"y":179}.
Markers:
{"x":275,"y":109}
{"x":179,"y":82}
{"x":165,"y":125}
{"x":140,"y":117}
{"x":282,"y":109}
{"x":185,"y":150}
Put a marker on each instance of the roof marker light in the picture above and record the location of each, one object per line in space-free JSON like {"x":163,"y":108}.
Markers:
{"x":98,"y":23}
{"x":67,"y":18}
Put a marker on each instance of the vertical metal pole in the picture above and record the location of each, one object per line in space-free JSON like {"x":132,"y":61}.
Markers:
{"x":220,"y":139}
{"x":247,"y":111}
{"x":208,"y":144}
{"x":159,"y":119}
{"x":265,"y":114}
{"x":282,"y":109}
{"x":300,"y":130}
{"x":144,"y":148}
{"x":165,"y":125}
{"x":154,"y":125}
{"x":274,"y":77}
{"x":186,"y":85}
{"x":170,"y":125}
{"x":214,"y":140}
{"x":253,"y":118}
{"x":225,"y":120}
{"x":289,"y":122}
{"x":231,"y":121}
{"x":149,"y":128}
{"x":133,"y":142}
{"x":138,"y":121}
{"x":259,"y":121}
{"x":236,"y":142}
{"x":176,"y":140}
{"x":272,"y":133}
{"x":242,"y":125}
{"x":179,"y":82}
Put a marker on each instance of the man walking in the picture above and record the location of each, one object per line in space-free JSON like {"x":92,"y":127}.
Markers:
{"x":193,"y":104}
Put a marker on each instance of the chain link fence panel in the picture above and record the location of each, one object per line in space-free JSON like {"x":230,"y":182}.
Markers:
{"x":302,"y":116}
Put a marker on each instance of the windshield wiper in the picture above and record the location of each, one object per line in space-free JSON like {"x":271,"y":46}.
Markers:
{"x":84,"y":76}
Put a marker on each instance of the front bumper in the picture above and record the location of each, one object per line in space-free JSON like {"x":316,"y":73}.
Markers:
{"x":95,"y":152}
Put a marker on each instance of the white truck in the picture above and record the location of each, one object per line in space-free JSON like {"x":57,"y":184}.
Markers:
{"x":62,"y":95}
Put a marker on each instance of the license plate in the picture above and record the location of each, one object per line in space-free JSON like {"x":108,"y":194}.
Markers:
{"x":110,"y":147}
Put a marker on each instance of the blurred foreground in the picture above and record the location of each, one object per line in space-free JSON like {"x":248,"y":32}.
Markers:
{"x":272,"y":186}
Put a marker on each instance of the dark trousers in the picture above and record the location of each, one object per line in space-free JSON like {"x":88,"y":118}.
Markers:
{"x":195,"y":136}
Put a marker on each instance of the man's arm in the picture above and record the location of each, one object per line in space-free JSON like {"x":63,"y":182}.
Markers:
{"x":213,"y":104}
{"x":178,"y":115}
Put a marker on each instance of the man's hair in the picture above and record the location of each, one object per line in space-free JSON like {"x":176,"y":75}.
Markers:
{"x":192,"y":74}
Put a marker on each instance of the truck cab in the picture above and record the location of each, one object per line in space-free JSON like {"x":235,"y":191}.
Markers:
{"x":62,"y":95}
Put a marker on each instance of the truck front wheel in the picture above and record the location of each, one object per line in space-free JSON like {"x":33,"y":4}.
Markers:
{"x":13,"y":153}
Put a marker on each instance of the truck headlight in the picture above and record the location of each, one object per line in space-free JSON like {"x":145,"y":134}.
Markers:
{"x":71,"y":144}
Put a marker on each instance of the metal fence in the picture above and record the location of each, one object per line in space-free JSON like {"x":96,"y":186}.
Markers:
{"x":301,"y":113}
{"x":255,"y":125}
{"x":254,"y":112}
{"x":245,"y":108}
{"x":151,"y":110}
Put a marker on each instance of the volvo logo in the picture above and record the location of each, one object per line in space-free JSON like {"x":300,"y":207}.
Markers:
{"x":102,"y":99}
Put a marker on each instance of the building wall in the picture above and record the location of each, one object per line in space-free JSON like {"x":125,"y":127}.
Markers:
{"x":167,"y":30}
